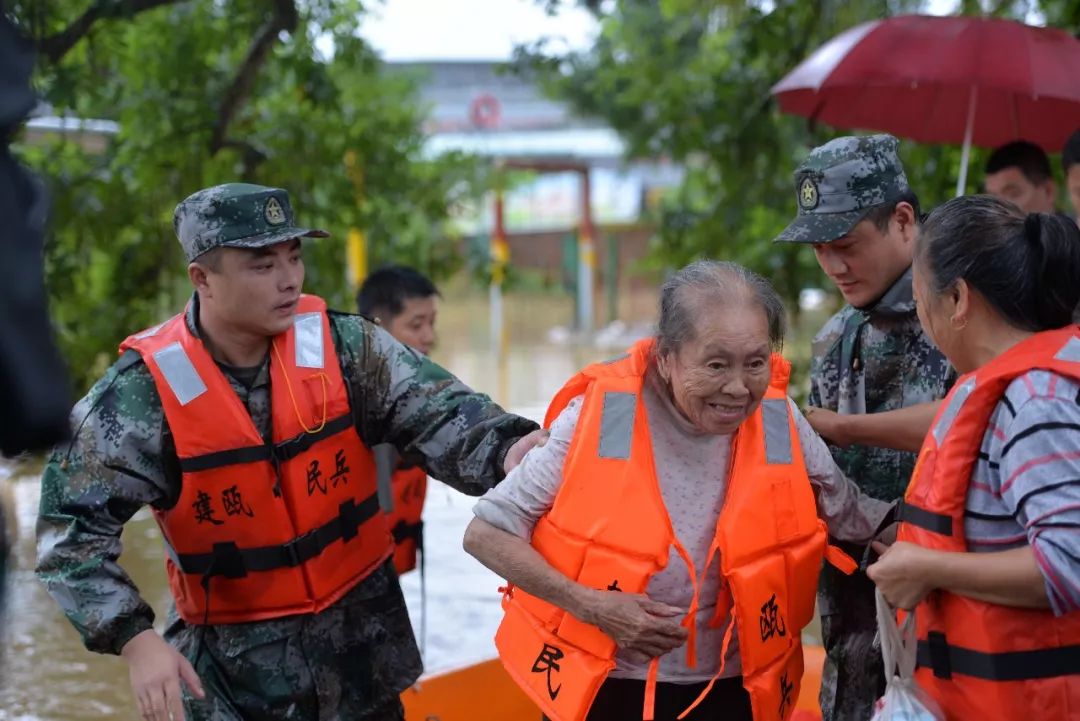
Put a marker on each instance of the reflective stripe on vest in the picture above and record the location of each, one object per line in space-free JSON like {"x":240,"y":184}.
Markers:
{"x":309,"y":340}
{"x":948,"y":417}
{"x":1070,"y":351}
{"x":180,"y":373}
{"x":776,"y":417}
{"x":617,"y":425}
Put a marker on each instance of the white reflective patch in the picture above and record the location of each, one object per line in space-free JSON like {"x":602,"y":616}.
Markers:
{"x":617,"y":425}
{"x":1070,"y":351}
{"x":150,"y":331}
{"x":179,"y":373}
{"x":775,"y":417}
{"x":957,"y":399}
{"x":308,"y":328}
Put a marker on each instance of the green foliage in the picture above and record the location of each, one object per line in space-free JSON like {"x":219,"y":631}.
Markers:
{"x":165,"y":75}
{"x":690,"y":79}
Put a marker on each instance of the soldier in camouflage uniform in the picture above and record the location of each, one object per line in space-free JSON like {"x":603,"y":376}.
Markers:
{"x":856,"y":208}
{"x":350,"y":661}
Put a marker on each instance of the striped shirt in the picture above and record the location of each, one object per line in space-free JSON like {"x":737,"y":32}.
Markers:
{"x":1025,"y":488}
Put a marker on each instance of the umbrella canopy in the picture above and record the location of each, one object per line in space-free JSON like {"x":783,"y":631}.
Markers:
{"x":969,"y":80}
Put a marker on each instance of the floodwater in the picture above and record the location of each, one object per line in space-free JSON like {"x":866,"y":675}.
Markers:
{"x":47,"y":675}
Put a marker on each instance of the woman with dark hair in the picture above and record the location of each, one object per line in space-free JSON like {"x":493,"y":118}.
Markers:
{"x":988,"y":551}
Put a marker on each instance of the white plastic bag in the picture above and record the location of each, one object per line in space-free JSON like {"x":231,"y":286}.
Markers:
{"x":903,"y":699}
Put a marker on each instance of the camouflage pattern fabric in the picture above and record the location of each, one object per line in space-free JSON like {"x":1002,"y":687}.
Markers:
{"x":350,"y":661}
{"x":236,"y":215}
{"x":839,"y":182}
{"x":867,"y":361}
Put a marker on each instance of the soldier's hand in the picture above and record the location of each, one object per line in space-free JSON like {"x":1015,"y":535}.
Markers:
{"x":641,"y":628}
{"x":829,"y":425}
{"x":523,"y":446}
{"x":156,"y":669}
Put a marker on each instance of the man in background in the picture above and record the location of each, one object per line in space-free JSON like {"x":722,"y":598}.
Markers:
{"x":1019,"y":172}
{"x":404,"y":302}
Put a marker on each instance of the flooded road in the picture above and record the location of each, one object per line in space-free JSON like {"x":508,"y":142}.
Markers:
{"x":47,"y":675}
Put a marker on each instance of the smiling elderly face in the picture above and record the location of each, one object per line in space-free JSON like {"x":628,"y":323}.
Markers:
{"x":719,"y":374}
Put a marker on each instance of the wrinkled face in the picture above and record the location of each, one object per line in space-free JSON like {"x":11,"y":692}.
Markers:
{"x":255,"y":290}
{"x":719,"y":377}
{"x":866,"y":262}
{"x":415,"y":324}
{"x":1072,"y":181}
{"x":1012,"y":185}
{"x":934,"y":316}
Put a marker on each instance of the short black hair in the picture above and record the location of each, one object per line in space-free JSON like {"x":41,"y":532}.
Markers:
{"x":385,"y":291}
{"x":1029,"y":158}
{"x":880,"y":215}
{"x":1070,"y":155}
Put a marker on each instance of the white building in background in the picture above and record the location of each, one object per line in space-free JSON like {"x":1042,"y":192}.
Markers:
{"x":92,"y":135}
{"x":480,"y":107}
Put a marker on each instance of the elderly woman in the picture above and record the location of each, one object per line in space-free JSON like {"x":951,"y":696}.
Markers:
{"x":664,"y":545}
{"x":989,"y":549}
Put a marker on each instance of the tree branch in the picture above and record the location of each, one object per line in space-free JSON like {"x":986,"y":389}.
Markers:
{"x":56,"y":46}
{"x":250,"y":157}
{"x":284,"y":19}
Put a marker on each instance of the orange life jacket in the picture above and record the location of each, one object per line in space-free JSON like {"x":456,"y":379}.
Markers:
{"x":409,"y":487}
{"x":981,"y":660}
{"x":608,"y":529}
{"x":263,"y":530}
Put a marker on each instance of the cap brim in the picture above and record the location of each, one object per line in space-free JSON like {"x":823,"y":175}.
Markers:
{"x":273,"y":237}
{"x":816,"y":228}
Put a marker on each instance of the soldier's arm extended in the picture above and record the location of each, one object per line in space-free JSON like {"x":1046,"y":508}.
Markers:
{"x":434,"y":420}
{"x":903,"y":429}
{"x":89,"y":490}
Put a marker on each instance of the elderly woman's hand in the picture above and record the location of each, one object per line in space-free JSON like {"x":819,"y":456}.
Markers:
{"x":901,"y":573}
{"x":829,"y":425}
{"x":642,"y":628}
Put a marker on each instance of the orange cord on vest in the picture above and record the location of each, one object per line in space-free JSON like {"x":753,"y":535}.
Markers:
{"x":292,"y":396}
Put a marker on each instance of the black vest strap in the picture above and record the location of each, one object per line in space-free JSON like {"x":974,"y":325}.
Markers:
{"x":927,"y":520}
{"x":945,"y":660}
{"x":409,"y":531}
{"x":277,"y":452}
{"x":231,"y":561}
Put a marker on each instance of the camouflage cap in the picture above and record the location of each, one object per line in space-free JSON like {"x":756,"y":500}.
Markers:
{"x":839,"y":182}
{"x":236,"y":215}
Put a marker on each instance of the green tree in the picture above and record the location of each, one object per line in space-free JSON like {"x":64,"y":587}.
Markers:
{"x":209,"y":91}
{"x":690,"y":79}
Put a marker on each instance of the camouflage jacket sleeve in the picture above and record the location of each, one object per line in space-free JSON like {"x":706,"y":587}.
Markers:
{"x":89,"y":490}
{"x":434,"y":420}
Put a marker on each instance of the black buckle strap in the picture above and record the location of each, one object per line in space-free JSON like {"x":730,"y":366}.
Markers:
{"x":277,"y":453}
{"x":938,"y":648}
{"x":944,"y":660}
{"x":409,"y":531}
{"x":927,"y":520}
{"x":891,"y":516}
{"x":230,"y":561}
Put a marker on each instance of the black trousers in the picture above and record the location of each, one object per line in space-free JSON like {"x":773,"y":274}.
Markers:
{"x":621,"y":699}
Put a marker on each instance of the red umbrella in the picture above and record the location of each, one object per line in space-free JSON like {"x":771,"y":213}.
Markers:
{"x":943,"y":80}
